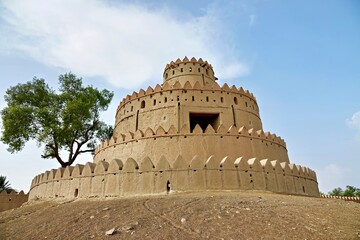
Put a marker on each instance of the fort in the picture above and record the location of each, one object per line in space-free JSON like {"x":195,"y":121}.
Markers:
{"x":12,"y":200}
{"x":187,"y":134}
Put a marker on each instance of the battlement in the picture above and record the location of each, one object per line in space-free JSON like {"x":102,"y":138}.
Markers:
{"x":345,"y":198}
{"x":221,"y":131}
{"x":189,"y":70}
{"x":178,"y":85}
{"x":230,"y":141}
{"x":145,"y":177}
{"x":12,"y":200}
{"x":179,"y":104}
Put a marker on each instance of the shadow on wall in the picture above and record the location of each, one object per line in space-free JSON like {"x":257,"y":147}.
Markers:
{"x":132,"y":178}
{"x":12,"y":200}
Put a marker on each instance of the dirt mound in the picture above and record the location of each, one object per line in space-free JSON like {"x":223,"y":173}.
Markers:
{"x":213,"y":215}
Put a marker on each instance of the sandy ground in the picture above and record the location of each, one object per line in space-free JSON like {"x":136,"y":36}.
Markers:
{"x":206,"y":215}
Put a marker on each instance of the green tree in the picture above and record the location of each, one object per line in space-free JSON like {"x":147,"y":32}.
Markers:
{"x":351,"y":191}
{"x":336,"y":192}
{"x":5,"y":185}
{"x":64,"y":120}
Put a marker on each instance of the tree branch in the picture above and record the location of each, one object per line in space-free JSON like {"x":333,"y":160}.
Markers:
{"x":80,"y":144}
{"x":85,"y":151}
{"x":56,"y":152}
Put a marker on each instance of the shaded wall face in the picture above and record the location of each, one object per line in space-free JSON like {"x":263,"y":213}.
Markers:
{"x":189,"y":145}
{"x":12,"y":200}
{"x":131,"y":178}
{"x":174,"y":107}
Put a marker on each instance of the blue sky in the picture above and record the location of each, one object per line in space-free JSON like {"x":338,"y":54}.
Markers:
{"x":301,"y":59}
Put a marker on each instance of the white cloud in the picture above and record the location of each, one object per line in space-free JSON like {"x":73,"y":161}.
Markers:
{"x":126,"y":44}
{"x":354,"y":123}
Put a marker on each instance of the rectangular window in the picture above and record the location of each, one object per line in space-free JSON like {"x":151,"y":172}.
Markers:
{"x":204,"y":119}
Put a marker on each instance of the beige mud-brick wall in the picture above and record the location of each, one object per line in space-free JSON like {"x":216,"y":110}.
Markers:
{"x":229,"y":176}
{"x":173,"y":107}
{"x":197,"y":174}
{"x":181,"y":178}
{"x":270,"y":175}
{"x":189,"y":70}
{"x":136,"y":178}
{"x":223,"y":143}
{"x":12,"y":200}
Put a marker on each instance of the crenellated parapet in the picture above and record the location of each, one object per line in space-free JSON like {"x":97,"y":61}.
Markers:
{"x":178,"y":104}
{"x":12,"y":200}
{"x":231,"y":141}
{"x":345,"y":198}
{"x":185,"y":131}
{"x":167,"y":87}
{"x":130,"y":177}
{"x":192,"y":70}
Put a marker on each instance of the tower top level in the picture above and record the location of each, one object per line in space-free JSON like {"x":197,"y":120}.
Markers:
{"x":189,"y":70}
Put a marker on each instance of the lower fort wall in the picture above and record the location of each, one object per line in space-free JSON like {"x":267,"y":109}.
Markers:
{"x":131,"y":178}
{"x":12,"y":200}
{"x":345,"y":198}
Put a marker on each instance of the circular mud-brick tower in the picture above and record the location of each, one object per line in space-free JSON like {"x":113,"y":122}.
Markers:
{"x":188,"y":115}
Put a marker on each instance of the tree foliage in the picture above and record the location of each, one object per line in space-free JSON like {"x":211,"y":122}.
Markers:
{"x":67,"y":119}
{"x":5,"y":185}
{"x":350,"y":191}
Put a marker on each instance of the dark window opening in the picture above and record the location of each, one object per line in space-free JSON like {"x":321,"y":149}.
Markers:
{"x":193,"y":98}
{"x":207,"y":99}
{"x":204,"y":119}
{"x":303,"y":189}
{"x":76,"y":193}
{"x":168,"y":187}
{"x":143,"y":104}
{"x":190,"y":69}
{"x":222,"y":99}
{"x":235,"y":101}
{"x":154,"y":102}
{"x":165,"y":100}
{"x":181,"y":69}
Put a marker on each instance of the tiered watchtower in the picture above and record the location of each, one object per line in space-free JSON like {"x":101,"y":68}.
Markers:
{"x":190,"y":97}
{"x":186,"y":134}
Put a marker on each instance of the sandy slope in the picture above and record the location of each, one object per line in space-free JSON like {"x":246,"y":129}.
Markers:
{"x":212,"y":215}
